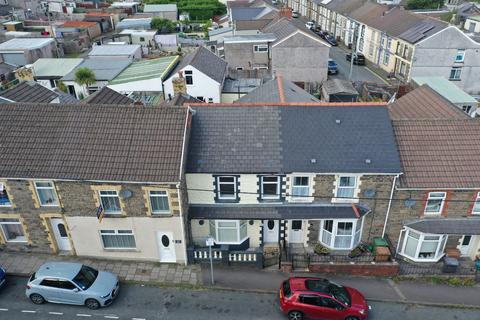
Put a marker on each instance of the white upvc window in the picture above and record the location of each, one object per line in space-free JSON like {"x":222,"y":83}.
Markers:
{"x":435,"y":202}
{"x":110,"y":201}
{"x":118,"y":239}
{"x":12,"y":230}
{"x":455,"y":73}
{"x":341,"y":234}
{"x":422,"y":246}
{"x":189,"y":77}
{"x":46,"y":194}
{"x":300,"y":188}
{"x":4,"y":199}
{"x":228,"y":231}
{"x":270,"y":187}
{"x":476,"y":205}
{"x":227,"y":188}
{"x":460,"y":56}
{"x":346,"y":186}
{"x":159,"y":201}
{"x":260,"y":48}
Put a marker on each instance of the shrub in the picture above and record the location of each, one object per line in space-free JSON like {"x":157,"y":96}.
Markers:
{"x":321,"y":249}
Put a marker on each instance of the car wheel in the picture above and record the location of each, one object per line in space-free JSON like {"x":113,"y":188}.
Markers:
{"x":92,"y":304}
{"x":37,"y":299}
{"x":351,"y":318}
{"x":295,"y":315}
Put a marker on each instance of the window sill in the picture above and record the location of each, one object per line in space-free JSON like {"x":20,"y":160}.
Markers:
{"x":432,"y":214}
{"x":121,"y":250}
{"x":227,"y":200}
{"x":454,"y":79}
{"x":344,"y":200}
{"x":22,"y":242}
{"x":162,"y":215}
{"x":422,"y":260}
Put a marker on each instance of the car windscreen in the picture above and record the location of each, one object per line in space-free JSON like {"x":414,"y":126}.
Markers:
{"x":339,"y":293}
{"x":85,"y":277}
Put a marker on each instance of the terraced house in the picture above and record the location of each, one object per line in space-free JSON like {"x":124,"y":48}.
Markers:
{"x":266,"y":176}
{"x":94,"y":180}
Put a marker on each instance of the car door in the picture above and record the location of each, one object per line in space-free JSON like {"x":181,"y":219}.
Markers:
{"x":330,"y":309}
{"x":308,"y":304}
{"x":47,"y":288}
{"x":69,"y":293}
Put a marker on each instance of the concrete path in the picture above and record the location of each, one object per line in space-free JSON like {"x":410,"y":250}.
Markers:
{"x":375,"y":289}
{"x":24,"y":264}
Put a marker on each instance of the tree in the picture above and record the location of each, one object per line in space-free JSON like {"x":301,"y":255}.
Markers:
{"x":84,"y":77}
{"x":162,"y":24}
{"x":424,"y":4}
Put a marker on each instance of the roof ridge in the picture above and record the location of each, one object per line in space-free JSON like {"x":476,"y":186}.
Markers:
{"x":291,"y":104}
{"x":281,"y":92}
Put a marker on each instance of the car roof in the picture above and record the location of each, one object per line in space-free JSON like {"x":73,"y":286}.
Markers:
{"x":66,"y":270}
{"x":300,"y":284}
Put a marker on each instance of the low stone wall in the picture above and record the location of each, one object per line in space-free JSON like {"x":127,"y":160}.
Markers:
{"x":385,"y":269}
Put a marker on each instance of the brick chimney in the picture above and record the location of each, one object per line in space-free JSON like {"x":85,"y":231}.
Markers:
{"x":286,"y":12}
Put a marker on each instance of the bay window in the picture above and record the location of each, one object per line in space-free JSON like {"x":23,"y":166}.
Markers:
{"x":341,"y":234}
{"x":228,"y":231}
{"x":423,"y":247}
{"x":435,"y":202}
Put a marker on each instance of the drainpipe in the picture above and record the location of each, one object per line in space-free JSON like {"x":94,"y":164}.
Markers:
{"x":184,"y":238}
{"x":389,"y":203}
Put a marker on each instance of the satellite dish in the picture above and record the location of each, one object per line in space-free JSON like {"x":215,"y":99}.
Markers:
{"x":125,"y":194}
{"x":370,"y":193}
{"x":409,"y":203}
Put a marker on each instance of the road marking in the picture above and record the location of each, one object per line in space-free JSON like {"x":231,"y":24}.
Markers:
{"x":111,"y":317}
{"x":56,"y":313}
{"x":29,"y":311}
{"x":2,"y":309}
{"x":139,"y":319}
{"x":83,"y":315}
{"x":396,"y":289}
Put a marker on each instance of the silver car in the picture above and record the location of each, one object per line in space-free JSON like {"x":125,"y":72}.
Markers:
{"x":72,"y":283}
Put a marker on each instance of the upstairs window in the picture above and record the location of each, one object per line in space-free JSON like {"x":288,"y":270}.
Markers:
{"x":460,"y":56}
{"x":476,"y":205}
{"x":260,"y":48}
{"x":47,"y":197}
{"x":270,"y":187}
{"x":110,"y":201}
{"x":159,"y":201}
{"x":455,"y":73}
{"x":346,"y":187}
{"x":189,"y":77}
{"x":4,"y":200}
{"x":300,"y":188}
{"x":227,"y":188}
{"x":435,"y":202}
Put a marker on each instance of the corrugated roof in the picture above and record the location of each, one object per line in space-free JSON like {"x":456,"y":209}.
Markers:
{"x":439,"y":153}
{"x":146,"y":69}
{"x":446,"y":89}
{"x":147,"y":8}
{"x":54,"y":67}
{"x":91,"y":142}
{"x":283,"y":139}
{"x":114,"y":50}
{"x":334,"y":86}
{"x":104,"y":69}
{"x":25,"y":44}
{"x":29,"y":91}
{"x":424,"y":103}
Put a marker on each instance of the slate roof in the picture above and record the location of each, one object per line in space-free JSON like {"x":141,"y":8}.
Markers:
{"x":439,"y":153}
{"x":205,"y":61}
{"x":108,"y":96}
{"x":424,"y":103}
{"x":251,"y":24}
{"x":470,"y":226}
{"x":294,"y":138}
{"x":29,"y":91}
{"x":91,"y":142}
{"x":66,"y":98}
{"x":104,"y":69}
{"x":280,"y":211}
{"x":239,"y":13}
{"x":278,"y":90}
{"x":179,"y":99}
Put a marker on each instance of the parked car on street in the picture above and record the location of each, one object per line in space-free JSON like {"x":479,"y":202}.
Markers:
{"x":358,"y":58}
{"x":72,"y":283}
{"x":295,"y":14}
{"x":322,"y":34}
{"x":331,"y":40}
{"x":318,"y":298}
{"x":310,"y":25}
{"x":332,"y":66}
{"x":3,"y":277}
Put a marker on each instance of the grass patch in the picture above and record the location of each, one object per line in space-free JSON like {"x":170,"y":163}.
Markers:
{"x":445,"y":280}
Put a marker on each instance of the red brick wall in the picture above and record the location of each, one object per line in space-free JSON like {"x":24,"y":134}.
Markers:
{"x":359,"y":269}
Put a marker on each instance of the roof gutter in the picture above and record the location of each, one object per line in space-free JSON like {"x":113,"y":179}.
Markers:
{"x":389,"y":204}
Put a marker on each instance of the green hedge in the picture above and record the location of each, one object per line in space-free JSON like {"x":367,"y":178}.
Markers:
{"x":197,"y":9}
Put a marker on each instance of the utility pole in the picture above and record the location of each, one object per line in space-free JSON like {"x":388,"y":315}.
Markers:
{"x":354,"y":46}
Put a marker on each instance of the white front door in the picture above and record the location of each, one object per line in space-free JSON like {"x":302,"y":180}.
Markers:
{"x":465,"y":244}
{"x":296,"y":231}
{"x":61,"y":236}
{"x":166,"y":247}
{"x":270,"y":231}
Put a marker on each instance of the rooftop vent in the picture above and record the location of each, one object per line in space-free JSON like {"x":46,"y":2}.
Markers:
{"x":338,"y":121}
{"x":368,"y":161}
{"x":313,"y":160}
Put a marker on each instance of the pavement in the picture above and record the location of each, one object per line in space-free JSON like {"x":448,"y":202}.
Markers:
{"x":24,"y":264}
{"x":145,"y":302}
{"x":374,"y":289}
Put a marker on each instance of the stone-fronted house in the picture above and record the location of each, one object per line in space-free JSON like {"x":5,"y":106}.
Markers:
{"x":436,"y":202}
{"x":259,"y":178}
{"x":94,"y":180}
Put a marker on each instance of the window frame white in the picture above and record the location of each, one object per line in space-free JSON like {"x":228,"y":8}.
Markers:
{"x":3,"y":189}
{"x":219,"y":183}
{"x":238,"y":227}
{"x":476,"y":204}
{"x":260,"y":48}
{"x":278,"y":184}
{"x":56,"y":202}
{"x":435,"y":198}
{"x":300,"y":198}
{"x":165,"y":195}
{"x":117,"y":195}
{"x":460,"y":53}
{"x":338,"y":187}
{"x":2,"y":223}
{"x":457,"y":74}
{"x":116,"y":233}
{"x":439,"y":252}
{"x":356,"y":234}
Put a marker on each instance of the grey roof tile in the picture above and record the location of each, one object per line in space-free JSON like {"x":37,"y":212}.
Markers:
{"x":29,"y":91}
{"x":469,"y":226}
{"x":108,"y":96}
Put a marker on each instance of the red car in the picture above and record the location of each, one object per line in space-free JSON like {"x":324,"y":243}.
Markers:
{"x":319,"y":298}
